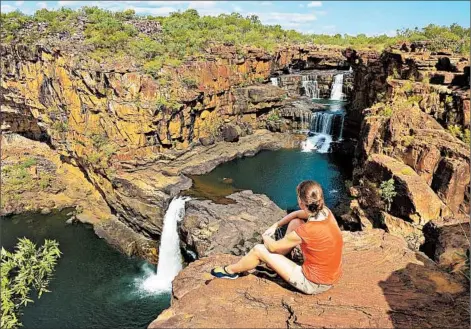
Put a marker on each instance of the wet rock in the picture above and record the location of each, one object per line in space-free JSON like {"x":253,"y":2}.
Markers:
{"x":71,"y":220}
{"x":209,"y":228}
{"x":399,"y":288}
{"x":125,"y":239}
{"x":45,"y":211}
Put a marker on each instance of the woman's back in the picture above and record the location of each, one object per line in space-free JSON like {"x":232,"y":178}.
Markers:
{"x":322,"y":250}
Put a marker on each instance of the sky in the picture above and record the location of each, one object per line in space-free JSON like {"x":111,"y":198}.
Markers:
{"x":328,"y":17}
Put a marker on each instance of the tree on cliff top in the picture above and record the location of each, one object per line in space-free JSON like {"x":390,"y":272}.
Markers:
{"x":189,"y":34}
{"x":27,"y":268}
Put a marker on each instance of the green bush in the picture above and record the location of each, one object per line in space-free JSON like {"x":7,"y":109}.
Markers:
{"x":466,"y":137}
{"x":455,"y":130}
{"x":26,"y":269}
{"x":273,"y":116}
{"x":388,"y":192}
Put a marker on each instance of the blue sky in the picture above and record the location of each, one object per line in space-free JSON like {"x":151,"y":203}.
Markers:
{"x":351,"y":17}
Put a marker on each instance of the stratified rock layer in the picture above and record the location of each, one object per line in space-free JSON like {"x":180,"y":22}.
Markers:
{"x":385,"y":285}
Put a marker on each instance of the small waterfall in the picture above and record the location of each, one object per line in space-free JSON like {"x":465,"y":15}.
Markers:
{"x":170,"y":258}
{"x":323,"y":126}
{"x":274,"y":81}
{"x":310,"y":86}
{"x":337,"y":87}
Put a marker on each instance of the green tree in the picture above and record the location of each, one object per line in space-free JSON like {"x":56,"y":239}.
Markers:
{"x":26,"y":269}
{"x":388,"y":192}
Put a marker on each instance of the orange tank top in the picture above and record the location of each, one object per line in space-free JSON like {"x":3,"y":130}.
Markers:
{"x":321,"y":246}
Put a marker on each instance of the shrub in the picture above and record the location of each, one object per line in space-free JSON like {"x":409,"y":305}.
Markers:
{"x":455,"y":130}
{"x":408,"y":140}
{"x":273,"y":116}
{"x":60,"y":126}
{"x":189,"y":82}
{"x":388,"y":192}
{"x":26,"y":269}
{"x":386,"y":111}
{"x":466,"y":137}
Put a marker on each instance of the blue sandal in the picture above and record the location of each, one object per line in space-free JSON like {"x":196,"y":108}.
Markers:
{"x":220,"y":272}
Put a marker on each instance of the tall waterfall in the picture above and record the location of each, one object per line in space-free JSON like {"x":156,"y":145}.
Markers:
{"x":310,"y":86}
{"x":170,"y":258}
{"x":337,"y":87}
{"x":274,"y":81}
{"x":323,"y":125}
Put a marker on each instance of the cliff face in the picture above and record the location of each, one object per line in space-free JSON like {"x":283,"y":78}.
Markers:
{"x":122,"y":127}
{"x":411,"y":115}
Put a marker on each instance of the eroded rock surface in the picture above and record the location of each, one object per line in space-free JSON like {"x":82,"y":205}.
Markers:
{"x":385,"y":285}
{"x":210,"y":228}
{"x":34,"y":178}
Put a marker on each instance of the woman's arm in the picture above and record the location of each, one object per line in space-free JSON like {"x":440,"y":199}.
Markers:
{"x":301,"y":214}
{"x":285,"y":220}
{"x":289,"y":241}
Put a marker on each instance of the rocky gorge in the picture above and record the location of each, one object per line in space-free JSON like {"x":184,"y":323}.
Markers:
{"x":120,"y":144}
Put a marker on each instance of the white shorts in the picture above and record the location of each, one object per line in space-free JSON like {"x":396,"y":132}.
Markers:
{"x":300,"y":282}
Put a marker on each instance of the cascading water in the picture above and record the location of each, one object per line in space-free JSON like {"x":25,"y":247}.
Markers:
{"x":310,"y":86}
{"x":274,"y":81}
{"x":337,"y":88}
{"x":170,"y":258}
{"x":323,"y":124}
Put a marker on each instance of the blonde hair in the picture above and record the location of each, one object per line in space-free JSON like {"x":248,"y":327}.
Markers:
{"x":311,"y":194}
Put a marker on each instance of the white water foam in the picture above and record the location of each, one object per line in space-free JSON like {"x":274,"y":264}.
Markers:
{"x":319,"y":143}
{"x":170,"y":258}
{"x":337,"y":88}
{"x":274,"y":81}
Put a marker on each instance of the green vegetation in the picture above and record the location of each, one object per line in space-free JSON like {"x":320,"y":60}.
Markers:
{"x":25,"y":270}
{"x":189,"y":34}
{"x":388,"y":192}
{"x":103,"y":150}
{"x":408,"y":140}
{"x":60,"y":126}
{"x":17,"y":178}
{"x":273,"y":116}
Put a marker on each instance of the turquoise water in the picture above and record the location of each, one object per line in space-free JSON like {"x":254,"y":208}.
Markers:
{"x":276,"y":174}
{"x":94,"y":285}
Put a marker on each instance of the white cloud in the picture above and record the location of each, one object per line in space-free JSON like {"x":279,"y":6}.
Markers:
{"x":301,"y":5}
{"x":237,"y":8}
{"x":71,"y":3}
{"x":284,"y":18}
{"x":201,"y":4}
{"x":314,"y":4}
{"x":41,"y":5}
{"x":19,"y":3}
{"x":157,"y":11}
{"x":7,"y":8}
{"x":265,"y":3}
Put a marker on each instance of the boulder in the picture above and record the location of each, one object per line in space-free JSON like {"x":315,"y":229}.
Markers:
{"x":415,"y":200}
{"x":230,"y":133}
{"x":385,"y":285}
{"x":447,"y":242}
{"x":210,"y":228}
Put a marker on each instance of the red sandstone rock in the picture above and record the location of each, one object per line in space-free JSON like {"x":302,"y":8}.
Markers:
{"x":385,"y":285}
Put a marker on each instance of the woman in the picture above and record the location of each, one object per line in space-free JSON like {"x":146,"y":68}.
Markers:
{"x":315,"y":229}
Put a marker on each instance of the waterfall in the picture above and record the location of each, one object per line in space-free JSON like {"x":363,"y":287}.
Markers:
{"x":310,"y":86}
{"x":323,"y":125}
{"x":170,"y":258}
{"x":337,"y":87}
{"x":274,"y":81}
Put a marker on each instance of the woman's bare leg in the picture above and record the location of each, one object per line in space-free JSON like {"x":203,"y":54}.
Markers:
{"x":279,"y":263}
